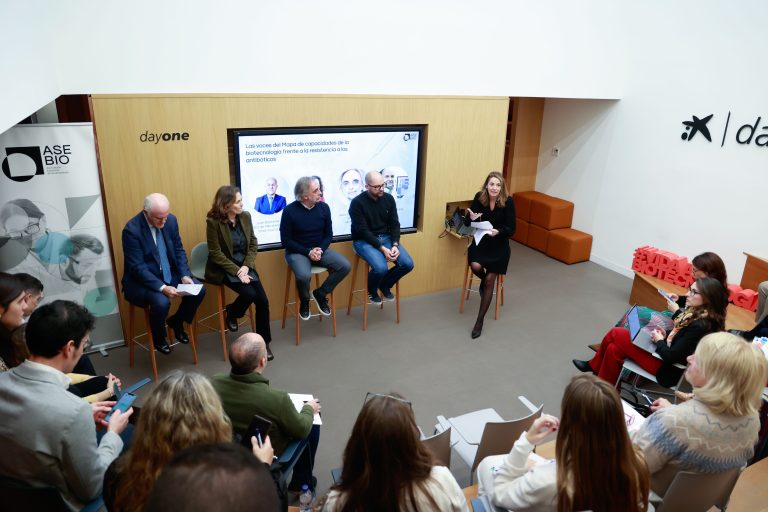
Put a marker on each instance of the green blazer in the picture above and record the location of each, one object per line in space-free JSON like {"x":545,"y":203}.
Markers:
{"x":220,"y":248}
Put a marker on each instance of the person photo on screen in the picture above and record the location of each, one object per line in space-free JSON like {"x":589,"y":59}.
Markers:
{"x":270,"y":202}
{"x":351,"y":183}
{"x":306,"y":231}
{"x":389,"y":174}
{"x":376,"y":238}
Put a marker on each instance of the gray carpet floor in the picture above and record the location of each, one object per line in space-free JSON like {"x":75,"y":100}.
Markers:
{"x":552,"y":311}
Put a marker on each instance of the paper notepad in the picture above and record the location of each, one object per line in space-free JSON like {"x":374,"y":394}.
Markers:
{"x":299,"y":400}
{"x":189,"y":289}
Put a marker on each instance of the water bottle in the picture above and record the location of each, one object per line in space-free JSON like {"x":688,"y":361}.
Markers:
{"x":305,"y":499}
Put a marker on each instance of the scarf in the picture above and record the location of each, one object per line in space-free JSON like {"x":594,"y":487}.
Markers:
{"x":686,"y":318}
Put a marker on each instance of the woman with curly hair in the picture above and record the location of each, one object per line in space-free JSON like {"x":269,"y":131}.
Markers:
{"x":183,"y":411}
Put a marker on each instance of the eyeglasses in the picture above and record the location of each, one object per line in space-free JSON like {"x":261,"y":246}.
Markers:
{"x":370,"y":395}
{"x":29,"y":230}
{"x":693,"y":291}
{"x":376,"y":187}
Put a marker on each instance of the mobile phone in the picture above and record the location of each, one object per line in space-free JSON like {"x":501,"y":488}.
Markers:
{"x":258,"y":428}
{"x":665,"y":295}
{"x":116,"y":391}
{"x":122,"y":405}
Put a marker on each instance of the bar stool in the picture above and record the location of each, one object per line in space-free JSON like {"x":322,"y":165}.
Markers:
{"x":314,"y":271}
{"x":150,"y":347}
{"x":198,"y":260}
{"x":468,"y":278}
{"x":364,"y":291}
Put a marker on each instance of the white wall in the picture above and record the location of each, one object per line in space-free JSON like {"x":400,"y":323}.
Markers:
{"x":633,"y":179}
{"x":431,"y":47}
{"x":29,"y":77}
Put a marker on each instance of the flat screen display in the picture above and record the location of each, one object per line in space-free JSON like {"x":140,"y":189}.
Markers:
{"x":268,"y":162}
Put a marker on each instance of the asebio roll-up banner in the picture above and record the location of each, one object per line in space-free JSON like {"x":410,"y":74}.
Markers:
{"x":52,"y":222}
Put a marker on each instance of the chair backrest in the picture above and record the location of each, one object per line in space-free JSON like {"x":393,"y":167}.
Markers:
{"x":698,"y":492}
{"x":440,"y":446}
{"x":197,"y":260}
{"x":498,"y":438}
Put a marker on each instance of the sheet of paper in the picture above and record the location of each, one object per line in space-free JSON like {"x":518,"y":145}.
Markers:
{"x":299,"y":400}
{"x":482,"y":225}
{"x":189,"y":289}
{"x":633,"y":418}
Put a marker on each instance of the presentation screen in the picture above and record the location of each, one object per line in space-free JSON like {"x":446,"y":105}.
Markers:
{"x":268,"y":162}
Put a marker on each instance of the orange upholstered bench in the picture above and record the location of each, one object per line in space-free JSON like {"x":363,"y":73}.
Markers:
{"x":521,"y":231}
{"x":523,"y":203}
{"x":551,"y":212}
{"x":569,"y":245}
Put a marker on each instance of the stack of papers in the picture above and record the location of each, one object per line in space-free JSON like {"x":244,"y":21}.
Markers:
{"x":189,"y":289}
{"x":481,"y":229}
{"x":299,"y":400}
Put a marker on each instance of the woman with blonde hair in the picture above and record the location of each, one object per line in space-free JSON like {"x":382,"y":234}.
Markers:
{"x":490,"y":257}
{"x":182,"y":411}
{"x":387,"y":468}
{"x":596,"y":466}
{"x":717,"y":429}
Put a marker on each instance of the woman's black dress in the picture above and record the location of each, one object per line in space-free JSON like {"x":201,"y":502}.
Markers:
{"x":493,"y":251}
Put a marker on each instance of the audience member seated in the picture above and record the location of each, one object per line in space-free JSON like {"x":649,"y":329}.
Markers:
{"x":182,"y":411}
{"x":48,"y":436}
{"x":706,"y":264}
{"x":232,"y":250}
{"x":490,"y":257}
{"x":83,"y":381}
{"x":596,"y":466}
{"x":718,"y":428}
{"x":704,"y":313}
{"x":245,"y":392}
{"x":387,"y":467}
{"x":209,"y":477}
{"x":12,"y":303}
{"x":761,"y":316}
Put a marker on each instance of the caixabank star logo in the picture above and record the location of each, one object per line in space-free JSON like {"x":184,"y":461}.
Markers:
{"x":746,"y":134}
{"x":22,"y":163}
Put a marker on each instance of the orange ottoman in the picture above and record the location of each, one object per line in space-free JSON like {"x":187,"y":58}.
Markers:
{"x":537,"y":238}
{"x":551,"y":212}
{"x":521,"y":231}
{"x":569,"y":245}
{"x":523,"y":203}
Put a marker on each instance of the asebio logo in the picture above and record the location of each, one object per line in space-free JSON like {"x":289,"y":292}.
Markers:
{"x":24,"y":163}
{"x":155,"y":138}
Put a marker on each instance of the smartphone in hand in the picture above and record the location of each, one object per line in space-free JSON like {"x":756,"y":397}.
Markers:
{"x":665,"y":295}
{"x":258,"y":428}
{"x":122,"y":405}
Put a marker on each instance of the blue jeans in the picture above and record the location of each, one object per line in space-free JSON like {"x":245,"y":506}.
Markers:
{"x":381,"y":276}
{"x":338,"y":267}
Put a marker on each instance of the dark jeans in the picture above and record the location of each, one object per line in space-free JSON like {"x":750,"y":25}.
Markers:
{"x":247,"y":294}
{"x":381,"y":276}
{"x":160,"y":305}
{"x":302,"y":472}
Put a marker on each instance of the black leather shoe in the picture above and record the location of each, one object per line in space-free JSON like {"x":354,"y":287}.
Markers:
{"x":231,"y":321}
{"x":163,"y":347}
{"x":477,"y":331}
{"x":322,"y":302}
{"x":583,"y":366}
{"x":178,"y":331}
{"x":304,"y":312}
{"x":270,"y":355}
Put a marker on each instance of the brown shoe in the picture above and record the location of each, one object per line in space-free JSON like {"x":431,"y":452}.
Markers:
{"x":683,"y":397}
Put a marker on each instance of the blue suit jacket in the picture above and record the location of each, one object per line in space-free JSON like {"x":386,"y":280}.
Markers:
{"x":262,"y":204}
{"x":141,"y":269}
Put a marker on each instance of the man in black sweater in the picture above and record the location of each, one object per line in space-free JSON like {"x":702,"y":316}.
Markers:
{"x":376,"y":237}
{"x":306,"y":232}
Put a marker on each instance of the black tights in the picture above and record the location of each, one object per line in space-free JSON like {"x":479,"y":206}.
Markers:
{"x":487,"y":282}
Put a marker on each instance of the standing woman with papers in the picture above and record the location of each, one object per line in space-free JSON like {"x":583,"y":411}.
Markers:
{"x":494,"y":209}
{"x":232,"y":250}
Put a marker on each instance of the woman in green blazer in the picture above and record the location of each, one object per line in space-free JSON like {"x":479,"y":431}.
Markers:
{"x":232,"y":250}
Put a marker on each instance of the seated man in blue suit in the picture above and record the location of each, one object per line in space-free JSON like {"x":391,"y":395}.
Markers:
{"x":155,"y":263}
{"x":270,"y":202}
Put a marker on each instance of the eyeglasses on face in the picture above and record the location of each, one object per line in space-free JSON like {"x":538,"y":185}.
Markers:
{"x":376,"y":187}
{"x":29,"y":230}
{"x":693,"y":291}
{"x":370,"y":395}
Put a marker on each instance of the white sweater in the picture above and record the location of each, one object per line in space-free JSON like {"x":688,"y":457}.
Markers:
{"x":511,"y":485}
{"x":440,"y":484}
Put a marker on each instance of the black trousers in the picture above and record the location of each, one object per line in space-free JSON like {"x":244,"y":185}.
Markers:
{"x":247,"y":294}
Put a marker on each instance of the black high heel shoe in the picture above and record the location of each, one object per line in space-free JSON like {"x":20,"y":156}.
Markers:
{"x":477,"y":330}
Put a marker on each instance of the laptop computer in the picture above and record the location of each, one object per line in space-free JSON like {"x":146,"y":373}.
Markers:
{"x":640,"y":336}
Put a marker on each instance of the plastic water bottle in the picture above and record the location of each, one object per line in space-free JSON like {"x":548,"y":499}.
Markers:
{"x":305,"y":499}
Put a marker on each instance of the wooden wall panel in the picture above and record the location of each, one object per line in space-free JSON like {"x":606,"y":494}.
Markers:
{"x":523,"y":156}
{"x":465,"y":140}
